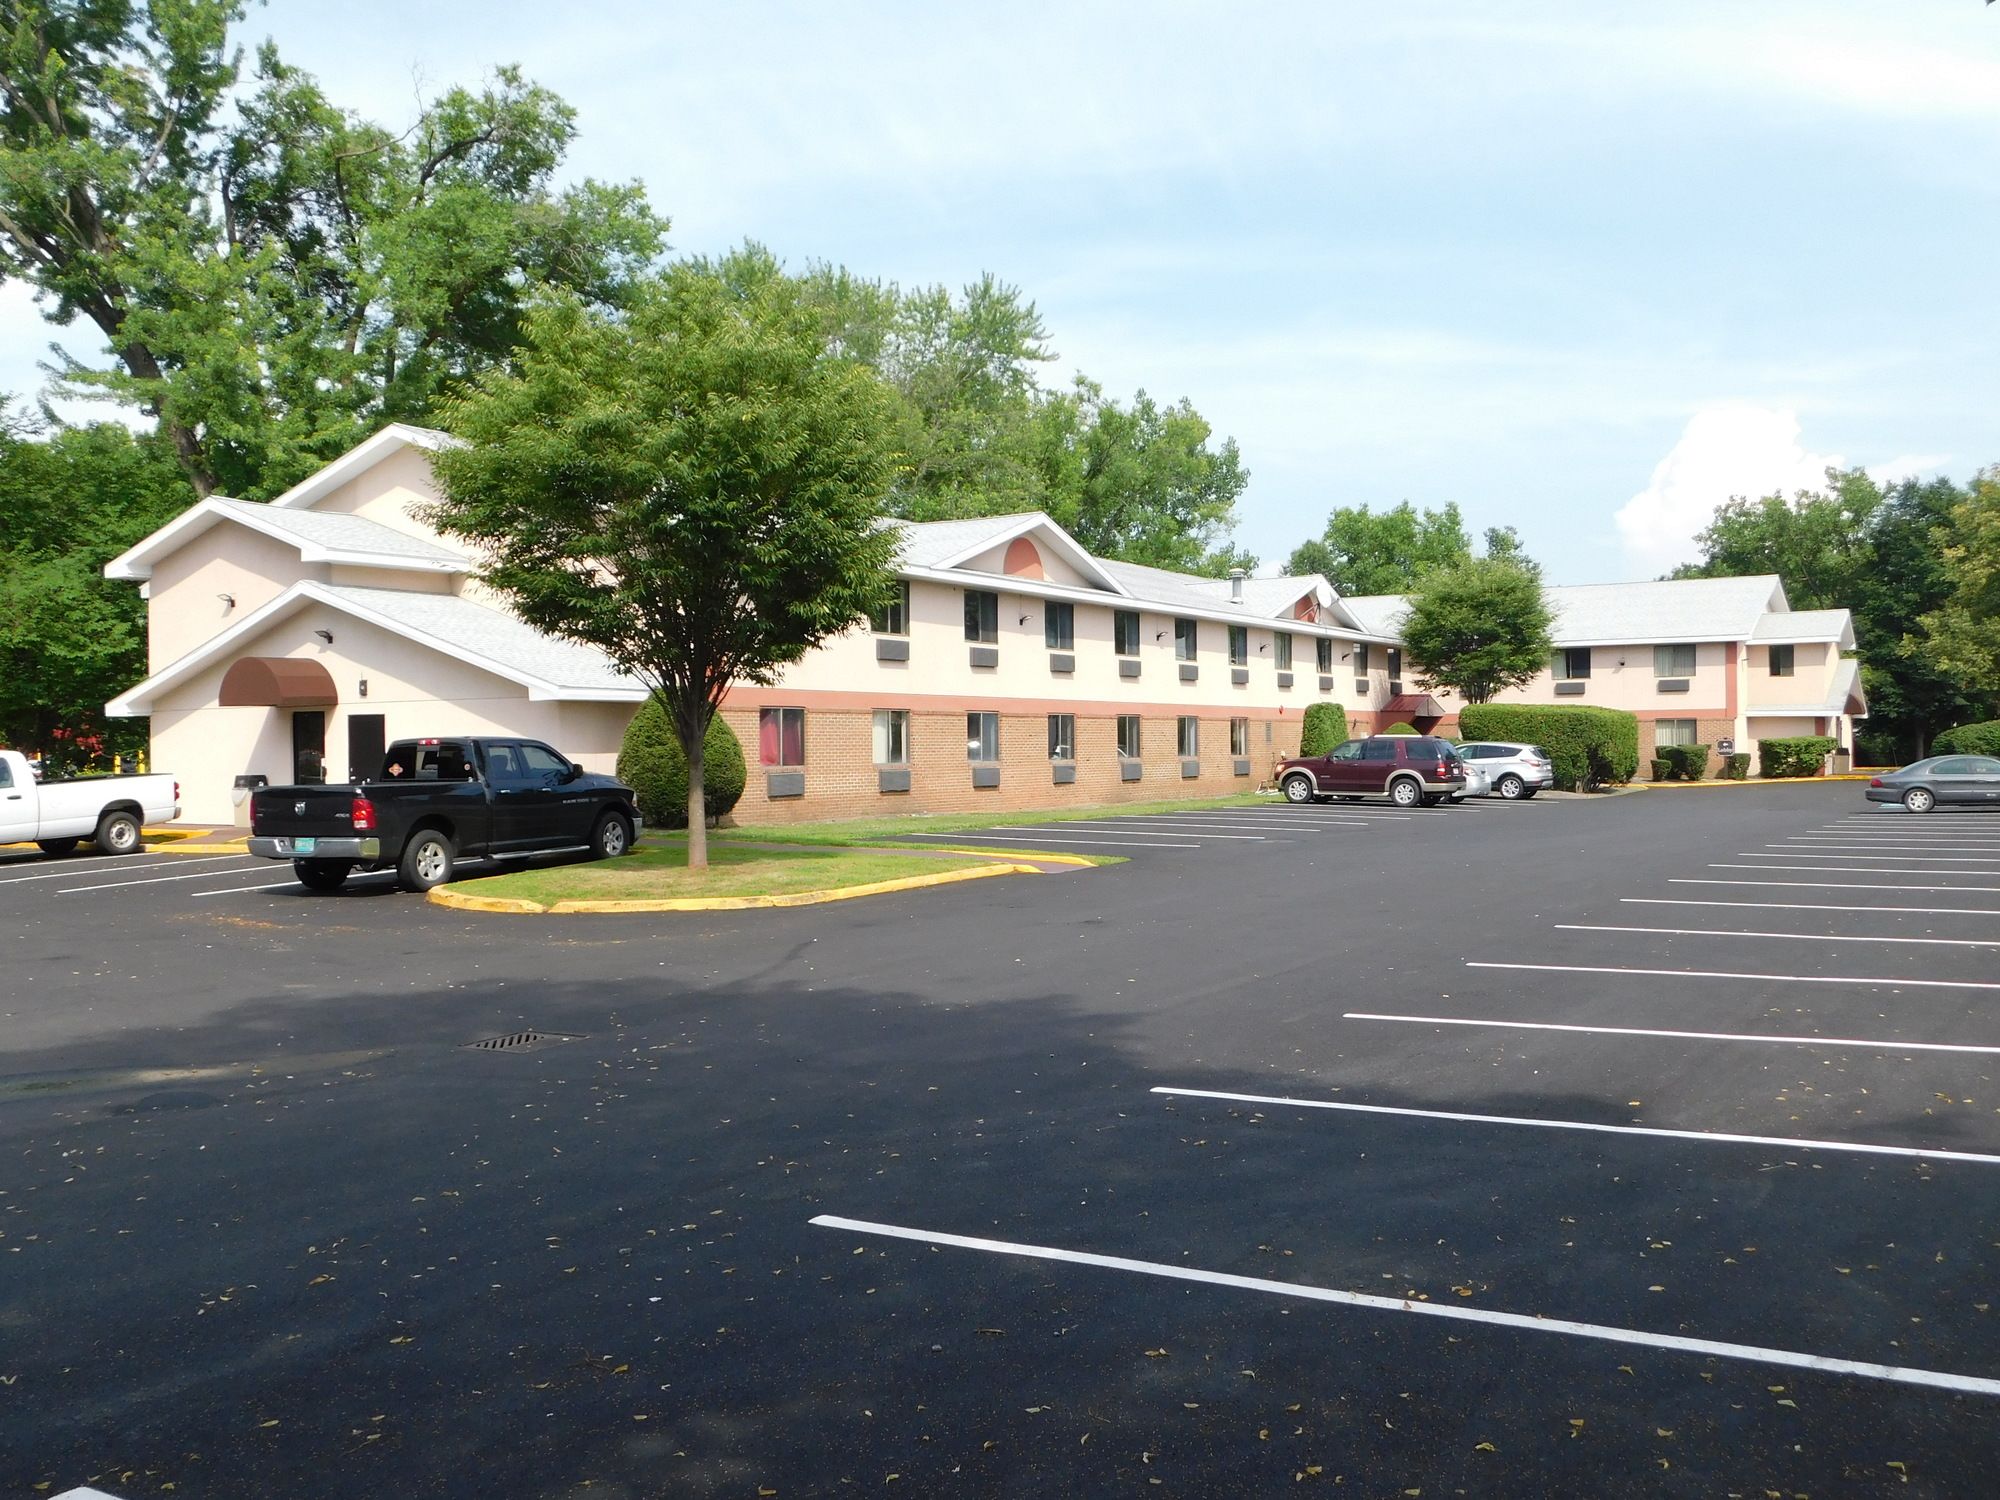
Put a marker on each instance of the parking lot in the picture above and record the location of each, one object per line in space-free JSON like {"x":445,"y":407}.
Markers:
{"x":1626,"y":1147}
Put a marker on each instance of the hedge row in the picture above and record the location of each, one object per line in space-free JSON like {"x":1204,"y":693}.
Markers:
{"x":652,"y":764}
{"x":1802,"y":756}
{"x":1736,"y":767}
{"x":1680,"y":762}
{"x":1324,"y":728}
{"x":1969,"y":739}
{"x":1587,"y":746}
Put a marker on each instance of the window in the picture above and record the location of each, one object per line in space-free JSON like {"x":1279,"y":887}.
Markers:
{"x":1781,"y":661}
{"x":1281,"y":649}
{"x":1360,"y":658}
{"x":1125,"y":632}
{"x":892,"y":737}
{"x":1189,"y":737}
{"x":894,"y":617}
{"x":541,"y":766}
{"x":1059,"y":626}
{"x":1128,"y":736}
{"x":1184,"y":639}
{"x":1673,"y":731}
{"x":1323,"y":654}
{"x":982,"y":736}
{"x":1239,"y":737}
{"x":1378,"y":747}
{"x":1674,"y":661}
{"x":6,"y":774}
{"x":429,"y":760}
{"x":1395,"y":655}
{"x":781,"y":736}
{"x":1062,"y":736}
{"x":1572,"y":663}
{"x":1239,"y":645}
{"x":982,"y":615}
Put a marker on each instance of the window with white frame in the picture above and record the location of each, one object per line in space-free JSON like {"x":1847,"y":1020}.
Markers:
{"x":1125,"y":632}
{"x":892,"y":737}
{"x":1673,"y":732}
{"x":1572,"y":663}
{"x":1059,"y":626}
{"x":781,"y":736}
{"x":1323,"y":654}
{"x":982,"y":616}
{"x":1281,"y":649}
{"x":1239,"y":737}
{"x":1782,"y":659}
{"x":1395,"y":655}
{"x":1674,"y":661}
{"x":1239,"y":645}
{"x":894,"y":617}
{"x":1189,"y":737}
{"x":1062,"y":736}
{"x":1184,"y":639}
{"x":982,"y":736}
{"x":1128,"y":736}
{"x":1360,"y":658}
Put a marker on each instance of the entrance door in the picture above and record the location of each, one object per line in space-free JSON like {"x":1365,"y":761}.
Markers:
{"x":308,"y":746}
{"x":18,"y":815}
{"x":365,"y":744}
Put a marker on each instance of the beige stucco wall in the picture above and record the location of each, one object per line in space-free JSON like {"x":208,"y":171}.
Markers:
{"x":1054,"y":568}
{"x":407,"y":580}
{"x":184,"y":609}
{"x":1813,"y":666}
{"x":1633,"y":687}
{"x":388,"y":492}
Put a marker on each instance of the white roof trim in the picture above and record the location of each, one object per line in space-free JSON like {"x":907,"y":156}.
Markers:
{"x":359,"y":459}
{"x":1776,"y":635}
{"x":1066,"y":546}
{"x":136,"y":562}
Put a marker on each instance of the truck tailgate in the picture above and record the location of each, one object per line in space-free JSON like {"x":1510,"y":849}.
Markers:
{"x":303,"y":811}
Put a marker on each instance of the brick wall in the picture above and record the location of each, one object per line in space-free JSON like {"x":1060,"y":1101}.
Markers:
{"x":841,"y":780}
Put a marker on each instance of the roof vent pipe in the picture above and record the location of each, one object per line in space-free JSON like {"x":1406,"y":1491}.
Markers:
{"x":1236,"y":577}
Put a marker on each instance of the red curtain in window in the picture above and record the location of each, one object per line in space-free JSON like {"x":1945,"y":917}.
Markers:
{"x":767,"y":737}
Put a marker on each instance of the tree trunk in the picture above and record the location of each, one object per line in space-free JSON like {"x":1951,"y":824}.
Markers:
{"x":697,"y":802}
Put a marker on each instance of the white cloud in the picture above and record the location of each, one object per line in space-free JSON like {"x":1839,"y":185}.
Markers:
{"x":1723,"y":451}
{"x":1906,"y":466}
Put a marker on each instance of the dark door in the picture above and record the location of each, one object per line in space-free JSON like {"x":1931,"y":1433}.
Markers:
{"x":557,"y":815}
{"x":364,"y":747}
{"x":1378,"y":759}
{"x":308,"y":746}
{"x":1339,"y":769}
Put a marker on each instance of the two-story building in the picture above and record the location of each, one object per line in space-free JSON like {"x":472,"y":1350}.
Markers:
{"x":1700,"y":661}
{"x":292,"y":640}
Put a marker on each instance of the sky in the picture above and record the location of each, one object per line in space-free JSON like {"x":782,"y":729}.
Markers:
{"x":1584,"y":270}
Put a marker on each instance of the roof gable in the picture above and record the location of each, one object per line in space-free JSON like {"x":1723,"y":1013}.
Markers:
{"x":946,"y":546}
{"x":349,"y":540}
{"x":359,"y":459}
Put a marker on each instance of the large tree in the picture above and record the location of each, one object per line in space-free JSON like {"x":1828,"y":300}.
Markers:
{"x":1816,"y":541}
{"x":693,"y":487}
{"x":275,"y":277}
{"x":1478,"y":626}
{"x":1962,"y":636}
{"x":1362,"y":551}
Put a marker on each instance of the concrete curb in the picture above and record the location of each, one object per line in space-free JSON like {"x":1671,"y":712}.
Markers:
{"x":461,"y":901}
{"x":190,"y":846}
{"x":1709,"y":786}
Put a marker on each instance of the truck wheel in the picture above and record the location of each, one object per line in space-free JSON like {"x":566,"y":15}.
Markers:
{"x":322,"y":875}
{"x":57,"y":848}
{"x":1511,"y":787}
{"x":1298,"y":789}
{"x":610,"y":838}
{"x":1405,"y":793}
{"x":426,"y":861}
{"x":117,"y":833}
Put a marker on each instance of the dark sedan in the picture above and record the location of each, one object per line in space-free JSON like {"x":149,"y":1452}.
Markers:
{"x":1941,"y":781}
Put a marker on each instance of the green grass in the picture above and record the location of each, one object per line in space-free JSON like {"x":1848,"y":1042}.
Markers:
{"x":660,"y":874}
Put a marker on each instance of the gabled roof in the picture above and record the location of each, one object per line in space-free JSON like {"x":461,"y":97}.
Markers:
{"x":348,"y":540}
{"x":1843,"y":695}
{"x":943,"y":545}
{"x":362,"y":457}
{"x":1669,"y":610}
{"x":1379,"y":614}
{"x":489,"y":639}
{"x":1800,"y":626}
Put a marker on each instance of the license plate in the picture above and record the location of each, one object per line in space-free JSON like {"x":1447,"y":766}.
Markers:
{"x":304,"y":846}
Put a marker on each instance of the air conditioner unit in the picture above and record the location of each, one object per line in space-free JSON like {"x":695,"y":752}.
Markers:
{"x":1361,"y":686}
{"x":1395,"y":689}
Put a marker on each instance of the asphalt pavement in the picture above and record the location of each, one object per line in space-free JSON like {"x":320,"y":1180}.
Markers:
{"x":1637,"y":1146}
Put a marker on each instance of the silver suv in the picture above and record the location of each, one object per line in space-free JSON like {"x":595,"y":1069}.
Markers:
{"x":1514,"y":772}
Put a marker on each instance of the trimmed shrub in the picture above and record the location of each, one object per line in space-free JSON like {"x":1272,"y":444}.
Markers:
{"x":1802,"y":756}
{"x":1684,"y":762}
{"x":1587,"y":746}
{"x":651,"y":763}
{"x":1325,"y":727}
{"x":1969,"y":739}
{"x":1736,"y":767}
{"x":1660,"y":770}
{"x":1399,"y":729}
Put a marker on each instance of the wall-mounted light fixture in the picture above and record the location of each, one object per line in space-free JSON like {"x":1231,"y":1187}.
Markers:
{"x":1159,"y":635}
{"x":1262,"y":647}
{"x":228,"y":600}
{"x":325,"y":635}
{"x":1022,"y":621}
{"x":1345,"y":654}
{"x":364,"y":687}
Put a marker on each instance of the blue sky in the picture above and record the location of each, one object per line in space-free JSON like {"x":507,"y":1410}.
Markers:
{"x":1583,"y":269}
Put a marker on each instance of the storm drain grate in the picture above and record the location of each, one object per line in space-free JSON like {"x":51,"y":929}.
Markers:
{"x":523,"y":1041}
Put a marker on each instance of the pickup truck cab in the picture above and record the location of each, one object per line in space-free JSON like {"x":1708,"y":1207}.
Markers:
{"x":58,"y":815}
{"x":1410,"y":769}
{"x":438,"y":801}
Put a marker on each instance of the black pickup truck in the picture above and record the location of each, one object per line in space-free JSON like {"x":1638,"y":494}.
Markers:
{"x":438,"y":801}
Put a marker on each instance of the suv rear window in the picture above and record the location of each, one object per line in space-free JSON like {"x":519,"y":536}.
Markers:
{"x":411,"y":760}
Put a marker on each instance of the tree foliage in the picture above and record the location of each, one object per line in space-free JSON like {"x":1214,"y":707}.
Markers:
{"x":274,"y":276}
{"x":1961,"y":638}
{"x":1324,"y":728}
{"x":651,"y":762}
{"x":1477,"y":627}
{"x":693,"y":487}
{"x":1362,"y":551}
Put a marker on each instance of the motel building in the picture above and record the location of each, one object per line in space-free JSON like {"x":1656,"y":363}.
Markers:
{"x":290,"y":641}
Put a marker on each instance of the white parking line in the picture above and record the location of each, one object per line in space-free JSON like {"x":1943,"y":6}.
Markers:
{"x":85,"y":871}
{"x":1170,"y":822}
{"x":1828,"y":885}
{"x":1134,"y":825}
{"x":1119,"y":828}
{"x":1854,"y":869}
{"x":1929,"y":984}
{"x":1961,"y":911}
{"x":1691,"y":1036}
{"x":1522,"y":1322}
{"x":1789,"y":1143}
{"x":966,"y":838}
{"x":119,"y":885}
{"x":1811,"y":852}
{"x":1806,"y":937}
{"x":288,"y":885}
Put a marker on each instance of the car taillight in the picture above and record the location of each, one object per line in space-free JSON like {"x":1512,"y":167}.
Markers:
{"x":177,"y":792}
{"x":364,"y":815}
{"x":1874,"y":780}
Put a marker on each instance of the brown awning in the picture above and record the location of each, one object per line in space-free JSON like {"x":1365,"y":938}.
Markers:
{"x":1413,"y":706}
{"x":277,"y":682}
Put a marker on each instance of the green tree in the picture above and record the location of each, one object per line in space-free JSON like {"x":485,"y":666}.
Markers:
{"x":692,"y":486}
{"x":1962,"y":636}
{"x":1383,"y":552}
{"x":1477,"y":627}
{"x":1818,"y":543}
{"x":275,"y":277}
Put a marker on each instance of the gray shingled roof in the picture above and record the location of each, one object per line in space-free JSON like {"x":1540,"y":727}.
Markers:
{"x":1674,"y":609}
{"x":490,"y":638}
{"x":928,"y":543}
{"x":343,"y":533}
{"x":1804,"y":625}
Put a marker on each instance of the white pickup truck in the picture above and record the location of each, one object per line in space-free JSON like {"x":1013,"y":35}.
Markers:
{"x":108,"y":810}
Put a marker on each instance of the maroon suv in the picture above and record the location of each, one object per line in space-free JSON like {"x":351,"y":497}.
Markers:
{"x":1410,"y":769}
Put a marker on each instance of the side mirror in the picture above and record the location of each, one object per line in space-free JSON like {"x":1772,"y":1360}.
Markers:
{"x":568,"y":774}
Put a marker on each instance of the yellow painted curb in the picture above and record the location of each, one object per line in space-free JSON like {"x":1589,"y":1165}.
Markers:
{"x":1701,"y":786}
{"x":445,"y":896}
{"x":183,"y":847}
{"x":1079,"y":860}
